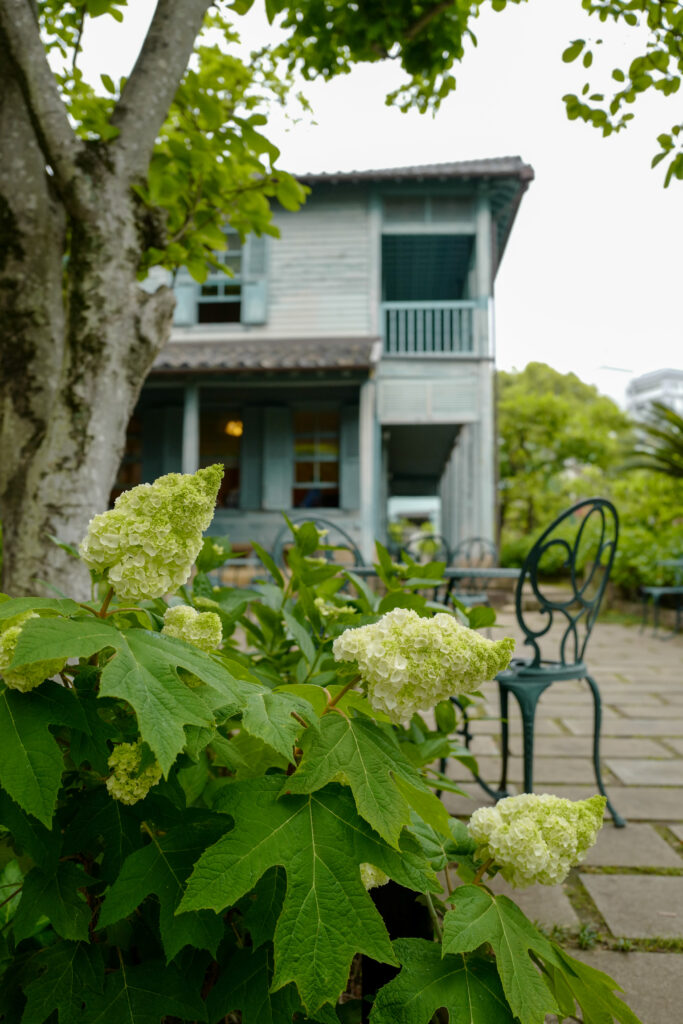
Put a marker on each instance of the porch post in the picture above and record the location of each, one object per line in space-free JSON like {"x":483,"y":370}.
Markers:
{"x":190,"y":448}
{"x":368,"y":430}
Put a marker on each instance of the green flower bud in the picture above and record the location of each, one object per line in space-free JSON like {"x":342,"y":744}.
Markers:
{"x":536,"y":838}
{"x":146,"y":545}
{"x":28,"y":676}
{"x":410,"y":663}
{"x":203,"y":629}
{"x":128,"y":783}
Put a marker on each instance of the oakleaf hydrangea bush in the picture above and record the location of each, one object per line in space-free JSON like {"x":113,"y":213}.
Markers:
{"x":210,"y":794}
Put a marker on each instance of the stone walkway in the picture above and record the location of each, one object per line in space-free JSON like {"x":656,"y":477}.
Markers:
{"x":624,"y":904}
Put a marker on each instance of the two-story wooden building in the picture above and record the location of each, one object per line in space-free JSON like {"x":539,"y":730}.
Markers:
{"x":345,"y":362}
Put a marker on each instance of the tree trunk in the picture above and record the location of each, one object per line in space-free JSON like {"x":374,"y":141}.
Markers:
{"x":80,"y":343}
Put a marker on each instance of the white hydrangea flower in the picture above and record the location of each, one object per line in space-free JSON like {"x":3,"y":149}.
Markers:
{"x":28,"y":676}
{"x":372,"y":877}
{"x":146,"y":545}
{"x":537,"y":838}
{"x":127,"y":783}
{"x":203,"y":629}
{"x":410,"y":663}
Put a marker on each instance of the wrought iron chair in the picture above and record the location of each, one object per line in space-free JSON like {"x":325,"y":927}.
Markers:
{"x":471,"y":553}
{"x":585,"y":538}
{"x":427,"y":547}
{"x":337,"y":537}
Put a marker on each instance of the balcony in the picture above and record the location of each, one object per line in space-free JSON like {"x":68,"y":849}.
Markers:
{"x":428,"y":328}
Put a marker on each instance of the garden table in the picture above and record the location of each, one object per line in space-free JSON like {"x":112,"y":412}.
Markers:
{"x":657,"y":593}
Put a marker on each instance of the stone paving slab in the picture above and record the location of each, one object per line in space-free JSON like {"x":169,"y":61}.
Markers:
{"x":641,"y":803}
{"x":639,"y":906}
{"x":546,"y":904}
{"x":637,"y":771}
{"x":610,"y":746}
{"x":635,"y":846}
{"x":652,"y":983}
{"x":675,"y":744}
{"x":613,"y":726}
{"x":677,"y":831}
{"x":650,"y":711}
{"x":546,"y":769}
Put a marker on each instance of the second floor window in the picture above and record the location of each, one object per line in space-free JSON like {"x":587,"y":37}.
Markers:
{"x":220,"y":297}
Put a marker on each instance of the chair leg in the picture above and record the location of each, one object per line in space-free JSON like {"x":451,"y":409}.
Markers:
{"x":504,"y":740}
{"x":597,"y":722}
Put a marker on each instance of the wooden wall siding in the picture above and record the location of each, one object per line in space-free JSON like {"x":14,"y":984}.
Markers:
{"x":429,"y":391}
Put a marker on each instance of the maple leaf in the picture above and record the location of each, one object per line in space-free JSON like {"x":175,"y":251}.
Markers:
{"x":469,"y":988}
{"x":144,"y":995}
{"x":161,"y":867}
{"x":321,"y":842}
{"x":68,"y":973}
{"x":54,"y":894}
{"x":480,"y":916}
{"x":269,"y":716}
{"x":367,"y":758}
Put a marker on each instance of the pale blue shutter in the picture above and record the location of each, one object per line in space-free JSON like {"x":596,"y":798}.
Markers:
{"x":251,"y":458}
{"x":186,"y":292}
{"x":278,"y":458}
{"x":254,"y":280}
{"x":349,"y":458}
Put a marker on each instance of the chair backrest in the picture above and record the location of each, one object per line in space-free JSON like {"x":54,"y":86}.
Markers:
{"x":335,"y":536}
{"x":473,"y":553}
{"x":427,"y":547}
{"x":580,"y":546}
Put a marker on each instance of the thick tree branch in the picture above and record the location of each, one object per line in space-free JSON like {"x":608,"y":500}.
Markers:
{"x":20,"y":40}
{"x":149,"y":91}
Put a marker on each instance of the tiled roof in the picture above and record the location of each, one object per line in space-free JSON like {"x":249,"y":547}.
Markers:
{"x":497,"y":167}
{"x":262,"y":355}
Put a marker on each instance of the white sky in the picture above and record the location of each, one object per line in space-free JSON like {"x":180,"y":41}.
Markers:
{"x":591,"y":277}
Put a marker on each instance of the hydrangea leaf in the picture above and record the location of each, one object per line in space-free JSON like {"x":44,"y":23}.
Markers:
{"x":591,"y":988}
{"x":367,"y":758}
{"x":479,"y":916}
{"x":439,"y":849}
{"x":103,"y":828}
{"x":18,"y":605}
{"x":244,"y":984}
{"x":142,"y":672}
{"x":31,"y":761}
{"x":69,"y":971}
{"x":321,"y":842}
{"x":468,"y":988}
{"x":38,"y":842}
{"x":269,"y":716}
{"x":144,"y":995}
{"x":161,"y":867}
{"x":262,"y":907}
{"x":55,"y":895}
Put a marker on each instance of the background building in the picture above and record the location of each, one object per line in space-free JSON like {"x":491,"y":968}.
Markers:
{"x":347,"y":362}
{"x":658,"y":386}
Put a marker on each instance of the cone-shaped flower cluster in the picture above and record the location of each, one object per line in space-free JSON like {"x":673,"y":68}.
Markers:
{"x":203,"y":629}
{"x":410,"y":663}
{"x":129,"y":782}
{"x":28,"y":676}
{"x":536,"y":838}
{"x":146,"y":545}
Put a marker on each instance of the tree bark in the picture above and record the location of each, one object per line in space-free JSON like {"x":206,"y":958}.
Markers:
{"x":77,"y":333}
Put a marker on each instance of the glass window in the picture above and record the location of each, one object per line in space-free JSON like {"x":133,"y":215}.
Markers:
{"x":220,"y":440}
{"x":220,"y":297}
{"x":316,"y":458}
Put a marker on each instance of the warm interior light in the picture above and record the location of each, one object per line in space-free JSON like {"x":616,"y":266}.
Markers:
{"x":234,"y":428}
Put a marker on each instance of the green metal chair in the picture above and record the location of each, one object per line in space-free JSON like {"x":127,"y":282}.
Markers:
{"x":582,"y":542}
{"x":471,"y":553}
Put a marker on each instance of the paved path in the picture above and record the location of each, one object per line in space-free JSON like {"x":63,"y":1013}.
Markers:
{"x":629,"y":890}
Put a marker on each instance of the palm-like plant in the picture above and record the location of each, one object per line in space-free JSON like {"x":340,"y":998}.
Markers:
{"x":660,"y":444}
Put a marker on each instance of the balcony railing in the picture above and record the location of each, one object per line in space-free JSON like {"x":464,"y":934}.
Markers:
{"x":428,"y":328}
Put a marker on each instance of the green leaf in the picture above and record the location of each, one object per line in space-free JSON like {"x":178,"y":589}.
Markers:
{"x":441,"y":850}
{"x":468,"y":988}
{"x":144,"y":995}
{"x":244,"y":984}
{"x":269,"y":564}
{"x":481,"y":917}
{"x":161,"y":868}
{"x":103,"y":828}
{"x":262,"y":907}
{"x":401,"y":599}
{"x":28,"y":834}
{"x":108,"y":84}
{"x":321,"y":843}
{"x":302,"y":637}
{"x":367,"y":758}
{"x":19,"y":605}
{"x":573,"y":51}
{"x":591,"y":989}
{"x":56,"y":896}
{"x":480,"y":616}
{"x":269,"y":715}
{"x":31,"y":761}
{"x":11,"y":880}
{"x":65,"y":975}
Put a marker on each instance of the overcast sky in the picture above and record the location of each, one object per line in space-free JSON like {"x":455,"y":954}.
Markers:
{"x":592,"y":274}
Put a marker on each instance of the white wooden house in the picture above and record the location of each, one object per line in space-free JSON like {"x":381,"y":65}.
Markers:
{"x":348,"y":361}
